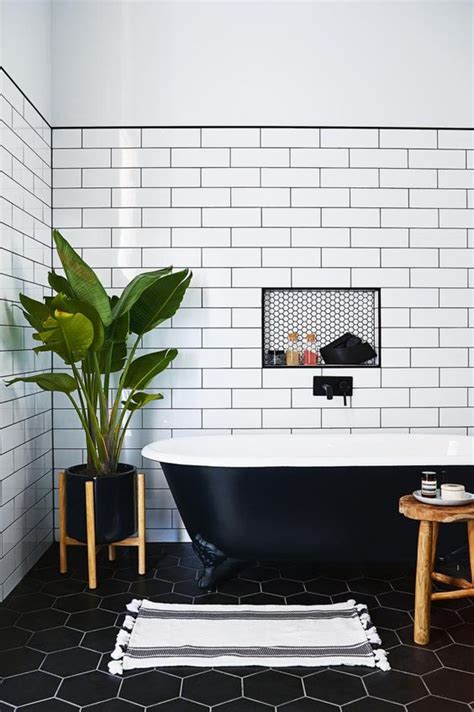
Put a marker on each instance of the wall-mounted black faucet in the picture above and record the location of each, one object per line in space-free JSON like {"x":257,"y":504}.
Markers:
{"x":331,"y":386}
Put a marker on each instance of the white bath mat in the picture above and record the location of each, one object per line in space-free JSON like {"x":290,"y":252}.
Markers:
{"x":166,"y":634}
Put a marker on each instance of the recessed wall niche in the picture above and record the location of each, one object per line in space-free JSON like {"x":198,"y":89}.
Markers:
{"x":340,"y":325}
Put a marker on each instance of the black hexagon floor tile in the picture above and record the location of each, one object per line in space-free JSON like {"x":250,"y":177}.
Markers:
{"x":211,"y":687}
{"x":56,"y":636}
{"x":29,"y":687}
{"x":41,"y":620}
{"x":71,"y":662}
{"x":51,"y":705}
{"x":273,"y":687}
{"x":396,"y":686}
{"x":149,"y":688}
{"x":55,"y":639}
{"x":438,"y":704}
{"x":19,"y":660}
{"x":307,"y":704}
{"x":334,"y":686}
{"x":89,"y":687}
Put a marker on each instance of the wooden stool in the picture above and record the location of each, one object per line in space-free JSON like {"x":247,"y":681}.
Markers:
{"x":430,"y":517}
{"x":92,"y":549}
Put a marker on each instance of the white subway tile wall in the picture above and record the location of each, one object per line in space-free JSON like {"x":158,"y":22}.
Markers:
{"x":26,"y":499}
{"x":250,"y":208}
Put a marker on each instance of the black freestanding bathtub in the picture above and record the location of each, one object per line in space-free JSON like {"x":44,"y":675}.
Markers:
{"x":323,"y":497}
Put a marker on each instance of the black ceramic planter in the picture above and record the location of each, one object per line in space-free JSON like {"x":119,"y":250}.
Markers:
{"x":114,"y":499}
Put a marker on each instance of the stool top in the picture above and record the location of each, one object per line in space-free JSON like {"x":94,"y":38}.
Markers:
{"x":413,"y":509}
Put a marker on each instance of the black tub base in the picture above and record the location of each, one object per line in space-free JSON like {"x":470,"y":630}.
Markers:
{"x":216,"y":564}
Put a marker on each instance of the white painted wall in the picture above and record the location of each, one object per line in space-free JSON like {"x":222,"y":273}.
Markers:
{"x":25,"y":48}
{"x":321,"y":62}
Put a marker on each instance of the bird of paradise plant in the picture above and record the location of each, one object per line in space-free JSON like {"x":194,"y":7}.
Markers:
{"x":97,"y":337}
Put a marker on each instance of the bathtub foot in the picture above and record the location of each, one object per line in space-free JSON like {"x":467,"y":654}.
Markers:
{"x":211,"y":557}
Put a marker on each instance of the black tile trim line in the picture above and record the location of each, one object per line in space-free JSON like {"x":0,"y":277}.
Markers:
{"x":262,"y":126}
{"x":9,"y":76}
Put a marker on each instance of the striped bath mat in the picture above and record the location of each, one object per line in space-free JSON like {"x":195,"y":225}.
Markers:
{"x":166,"y":634}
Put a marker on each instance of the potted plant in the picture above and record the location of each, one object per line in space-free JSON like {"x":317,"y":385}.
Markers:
{"x":97,"y":337}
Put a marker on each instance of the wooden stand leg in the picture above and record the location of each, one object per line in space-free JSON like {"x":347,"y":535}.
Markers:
{"x":141,"y":523}
{"x":470,"y":537}
{"x":423,"y":584}
{"x":112,"y":552}
{"x":62,"y":524}
{"x":90,"y":521}
{"x":434,"y":543}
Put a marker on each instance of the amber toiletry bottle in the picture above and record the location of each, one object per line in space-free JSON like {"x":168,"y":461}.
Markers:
{"x":292,"y":354}
{"x":310,"y":354}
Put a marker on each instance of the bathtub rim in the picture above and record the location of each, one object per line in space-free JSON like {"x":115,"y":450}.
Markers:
{"x":176,"y":451}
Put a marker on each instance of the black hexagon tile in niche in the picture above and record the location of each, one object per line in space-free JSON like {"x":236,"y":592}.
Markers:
{"x":88,"y":688}
{"x":150,"y":688}
{"x":238,"y":587}
{"x":396,"y":686}
{"x":372,"y":586}
{"x":19,"y":660}
{"x":29,"y":687}
{"x":333,"y":686}
{"x":71,"y":662}
{"x":273,"y":687}
{"x":211,"y":688}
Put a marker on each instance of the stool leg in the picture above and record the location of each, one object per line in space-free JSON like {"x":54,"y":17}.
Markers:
{"x":423,"y":584}
{"x":62,"y":524}
{"x":112,"y":552}
{"x":141,"y":523}
{"x":470,"y":536}
{"x":434,"y":543}
{"x":90,"y":520}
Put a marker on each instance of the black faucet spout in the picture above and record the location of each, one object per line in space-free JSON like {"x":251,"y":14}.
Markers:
{"x":328,"y":391}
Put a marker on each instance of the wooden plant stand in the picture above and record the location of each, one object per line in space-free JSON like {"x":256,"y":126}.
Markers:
{"x":92,"y":549}
{"x":430,"y":517}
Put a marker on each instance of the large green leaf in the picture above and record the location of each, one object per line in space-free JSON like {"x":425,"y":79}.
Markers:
{"x":68,"y":335}
{"x":74,"y":306}
{"x":159,"y":302}
{"x":134,"y":290}
{"x":144,"y":368}
{"x":62,"y":382}
{"x":140,"y":399}
{"x":60,"y":284}
{"x":119,"y":329}
{"x":118,"y":357}
{"x":35,"y":312}
{"x":83,"y":280}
